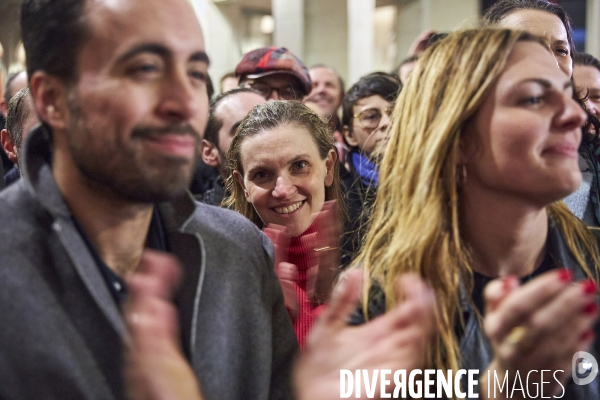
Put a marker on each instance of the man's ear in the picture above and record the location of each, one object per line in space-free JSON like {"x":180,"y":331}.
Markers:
{"x":348,"y":135}
{"x":240,"y":180}
{"x":210,"y":154}
{"x":49,"y":96}
{"x":330,"y":161}
{"x":9,"y":146}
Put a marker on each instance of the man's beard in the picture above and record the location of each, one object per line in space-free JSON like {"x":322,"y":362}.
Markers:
{"x":125,"y":171}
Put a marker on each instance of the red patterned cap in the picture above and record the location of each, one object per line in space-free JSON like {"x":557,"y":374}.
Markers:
{"x":273,"y":60}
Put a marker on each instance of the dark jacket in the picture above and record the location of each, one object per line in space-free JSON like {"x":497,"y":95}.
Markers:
{"x":475,"y":349}
{"x":590,"y":152}
{"x":203,"y":179}
{"x":62,"y":331}
{"x":359,"y":200}
{"x":214,"y":196}
{"x":12,"y":176}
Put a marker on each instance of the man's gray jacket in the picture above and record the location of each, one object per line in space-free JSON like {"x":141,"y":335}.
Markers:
{"x":61,"y":331}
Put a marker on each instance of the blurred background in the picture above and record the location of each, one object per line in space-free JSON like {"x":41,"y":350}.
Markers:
{"x":354,"y":36}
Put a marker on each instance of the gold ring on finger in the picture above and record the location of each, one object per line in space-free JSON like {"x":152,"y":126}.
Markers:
{"x":326,"y":248}
{"x":515,"y":335}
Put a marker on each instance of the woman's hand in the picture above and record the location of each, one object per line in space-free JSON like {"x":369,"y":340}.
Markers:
{"x":396,"y":340}
{"x":326,"y":242}
{"x":280,"y":239}
{"x":326,"y":254}
{"x":540,"y":325}
{"x":286,"y":272}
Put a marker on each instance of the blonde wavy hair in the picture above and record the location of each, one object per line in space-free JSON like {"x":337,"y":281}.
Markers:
{"x":415,"y":223}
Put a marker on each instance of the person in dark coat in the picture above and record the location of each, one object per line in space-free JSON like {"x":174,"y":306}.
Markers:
{"x":367,"y":109}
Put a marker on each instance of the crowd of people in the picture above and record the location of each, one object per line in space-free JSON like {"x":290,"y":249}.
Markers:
{"x":161,"y":242}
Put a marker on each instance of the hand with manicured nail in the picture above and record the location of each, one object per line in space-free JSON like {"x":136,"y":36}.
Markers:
{"x":396,"y":340}
{"x":539,"y":325}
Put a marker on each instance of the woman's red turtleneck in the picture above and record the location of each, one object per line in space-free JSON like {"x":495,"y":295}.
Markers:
{"x":301,"y":252}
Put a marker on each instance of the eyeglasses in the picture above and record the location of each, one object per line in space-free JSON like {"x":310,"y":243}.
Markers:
{"x":284,"y":92}
{"x":370,"y":118}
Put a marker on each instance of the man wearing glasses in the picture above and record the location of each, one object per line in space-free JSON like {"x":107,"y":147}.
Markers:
{"x":275,"y":73}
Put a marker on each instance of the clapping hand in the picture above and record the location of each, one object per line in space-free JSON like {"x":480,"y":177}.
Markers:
{"x":326,"y":256}
{"x":155,"y":368}
{"x":539,"y":325}
{"x":396,"y":340}
{"x":326,"y":242}
{"x":286,"y":272}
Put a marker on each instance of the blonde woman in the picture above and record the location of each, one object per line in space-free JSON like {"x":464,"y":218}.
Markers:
{"x":549,"y":20}
{"x":483,"y":147}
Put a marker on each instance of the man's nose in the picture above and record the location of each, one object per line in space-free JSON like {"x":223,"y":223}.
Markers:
{"x":180,"y":100}
{"x":274,"y":95}
{"x":384,"y":123}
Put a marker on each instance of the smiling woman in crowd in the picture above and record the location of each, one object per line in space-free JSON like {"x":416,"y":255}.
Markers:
{"x":283,"y":169}
{"x":483,"y":146}
{"x":551,"y":22}
{"x":586,"y":73}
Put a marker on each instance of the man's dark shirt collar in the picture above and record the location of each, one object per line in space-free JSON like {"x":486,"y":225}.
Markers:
{"x":156,"y":240}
